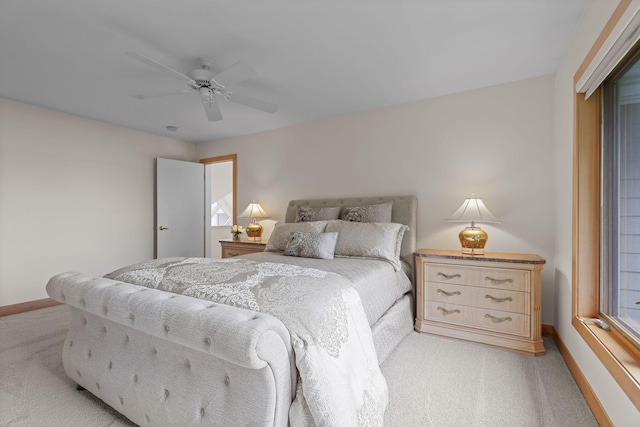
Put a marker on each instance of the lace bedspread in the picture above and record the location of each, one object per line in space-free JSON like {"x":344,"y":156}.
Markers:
{"x":340,"y":383}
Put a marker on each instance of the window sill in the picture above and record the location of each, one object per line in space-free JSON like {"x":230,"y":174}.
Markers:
{"x":621,"y":359}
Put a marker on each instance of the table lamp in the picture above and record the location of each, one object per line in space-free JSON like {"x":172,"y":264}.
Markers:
{"x":254,"y":211}
{"x":473,"y":238}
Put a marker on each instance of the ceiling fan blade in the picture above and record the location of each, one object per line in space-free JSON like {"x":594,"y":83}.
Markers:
{"x":161,"y":94}
{"x":159,"y":66}
{"x":212,"y":109}
{"x":236,"y":73}
{"x":251,"y":102}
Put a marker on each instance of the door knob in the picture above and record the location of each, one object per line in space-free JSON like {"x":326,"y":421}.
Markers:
{"x":162,"y":227}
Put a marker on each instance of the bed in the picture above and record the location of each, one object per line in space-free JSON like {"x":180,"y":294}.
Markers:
{"x":165,"y":344}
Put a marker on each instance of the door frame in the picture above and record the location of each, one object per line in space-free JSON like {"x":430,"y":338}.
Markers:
{"x":228,"y":158}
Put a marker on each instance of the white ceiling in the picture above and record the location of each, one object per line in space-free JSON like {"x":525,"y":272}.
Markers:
{"x":315,"y":58}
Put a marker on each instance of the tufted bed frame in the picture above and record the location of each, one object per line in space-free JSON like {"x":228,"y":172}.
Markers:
{"x":172,"y":360}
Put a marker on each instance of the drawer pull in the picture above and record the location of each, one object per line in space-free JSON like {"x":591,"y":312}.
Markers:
{"x":445,"y":311}
{"x":446,"y":276}
{"x":449,"y":294}
{"x":498,"y":319}
{"x":498,"y":299}
{"x":232,"y":254}
{"x":498,"y":281}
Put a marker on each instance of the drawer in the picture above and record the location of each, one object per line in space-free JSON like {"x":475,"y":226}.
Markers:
{"x":494,"y":299}
{"x":497,"y":278}
{"x":481,"y":318}
{"x":231,"y":252}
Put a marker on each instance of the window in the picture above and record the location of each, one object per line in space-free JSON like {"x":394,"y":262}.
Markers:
{"x":620,"y":217}
{"x":613,"y":347}
{"x":219,"y":216}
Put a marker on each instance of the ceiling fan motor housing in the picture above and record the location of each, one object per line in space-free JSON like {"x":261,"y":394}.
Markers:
{"x":204,"y":78}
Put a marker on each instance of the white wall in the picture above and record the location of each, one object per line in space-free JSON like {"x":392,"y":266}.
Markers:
{"x":619,"y":408}
{"x":496,"y":142}
{"x":75,"y":195}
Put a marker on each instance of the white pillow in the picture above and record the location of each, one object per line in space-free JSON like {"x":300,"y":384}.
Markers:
{"x":369,"y":240}
{"x":280,"y":236}
{"x":311,"y":245}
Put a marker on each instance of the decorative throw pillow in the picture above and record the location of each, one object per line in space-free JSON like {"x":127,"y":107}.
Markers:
{"x":307,"y":213}
{"x":278,"y":240}
{"x":311,"y":245}
{"x":369,"y":240}
{"x":368,"y":213}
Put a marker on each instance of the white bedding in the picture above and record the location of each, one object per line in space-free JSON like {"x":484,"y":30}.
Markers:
{"x":376,"y":281}
{"x":340,"y":383}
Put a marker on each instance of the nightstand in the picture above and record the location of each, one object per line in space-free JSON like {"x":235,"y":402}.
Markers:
{"x":231,"y":248}
{"x":493,"y":299}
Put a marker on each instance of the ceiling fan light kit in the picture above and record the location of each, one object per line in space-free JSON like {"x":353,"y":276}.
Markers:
{"x":201,"y":80}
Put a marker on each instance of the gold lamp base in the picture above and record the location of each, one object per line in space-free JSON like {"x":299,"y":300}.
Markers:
{"x":254,"y":231}
{"x":472,"y":240}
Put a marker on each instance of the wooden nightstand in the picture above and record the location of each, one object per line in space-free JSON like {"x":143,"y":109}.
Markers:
{"x":231,"y":248}
{"x":493,"y":299}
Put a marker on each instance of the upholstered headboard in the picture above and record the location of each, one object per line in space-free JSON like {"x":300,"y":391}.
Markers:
{"x":404,"y":211}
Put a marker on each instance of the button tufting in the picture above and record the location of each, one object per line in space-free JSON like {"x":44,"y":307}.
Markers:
{"x":255,"y":317}
{"x":166,"y":393}
{"x":126,"y":339}
{"x":98,"y":386}
{"x":147,"y":417}
{"x":188,"y":364}
{"x":84,"y":321}
{"x":227,"y":380}
{"x":83,"y":302}
{"x":207,"y":341}
{"x":202,"y":412}
{"x":104,"y":330}
{"x":89,"y":353}
{"x":121,"y":401}
{"x":135,"y":378}
{"x":70,"y":343}
{"x":78,"y":372}
{"x":110,"y":364}
{"x":166,"y":328}
{"x":132,"y":317}
{"x":154,"y":351}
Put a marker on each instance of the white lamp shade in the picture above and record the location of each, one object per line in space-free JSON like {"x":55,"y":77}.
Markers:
{"x":254,"y":210}
{"x":473,"y":210}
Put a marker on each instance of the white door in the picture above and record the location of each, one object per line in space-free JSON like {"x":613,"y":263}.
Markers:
{"x":182,"y":198}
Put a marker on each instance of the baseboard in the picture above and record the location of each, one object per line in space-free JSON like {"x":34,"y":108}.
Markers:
{"x":7,"y":310}
{"x":592,"y":400}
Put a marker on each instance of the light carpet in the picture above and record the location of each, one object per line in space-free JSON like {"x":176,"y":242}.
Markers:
{"x":432,"y":381}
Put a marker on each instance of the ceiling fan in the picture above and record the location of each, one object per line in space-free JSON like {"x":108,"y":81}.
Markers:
{"x":202,"y":82}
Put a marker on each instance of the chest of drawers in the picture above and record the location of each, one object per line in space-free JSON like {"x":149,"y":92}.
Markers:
{"x":494,"y":299}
